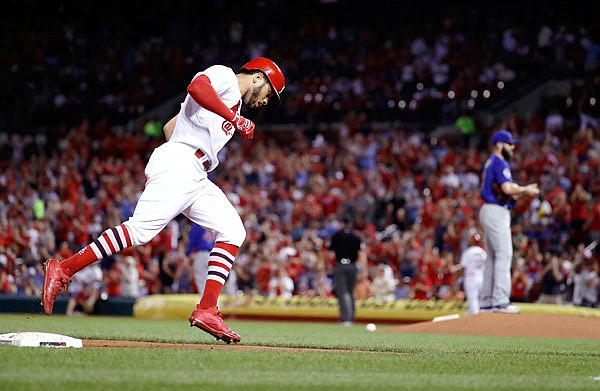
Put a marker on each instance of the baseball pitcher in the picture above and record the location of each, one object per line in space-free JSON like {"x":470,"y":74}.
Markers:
{"x":499,"y":192}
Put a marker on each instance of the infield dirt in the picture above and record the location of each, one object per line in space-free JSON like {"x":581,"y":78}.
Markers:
{"x":504,"y":325}
{"x":510,"y":325}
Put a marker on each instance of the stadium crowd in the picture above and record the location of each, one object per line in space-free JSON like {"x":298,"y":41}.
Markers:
{"x":417,"y":64}
{"x":413,"y":197}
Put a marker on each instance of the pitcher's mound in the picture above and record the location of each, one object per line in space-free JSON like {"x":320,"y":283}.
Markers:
{"x":510,"y":325}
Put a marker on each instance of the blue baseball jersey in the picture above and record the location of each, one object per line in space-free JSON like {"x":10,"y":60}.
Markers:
{"x":496,"y":171}
{"x":199,"y":239}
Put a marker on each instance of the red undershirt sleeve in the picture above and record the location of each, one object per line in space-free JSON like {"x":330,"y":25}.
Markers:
{"x":202,"y":91}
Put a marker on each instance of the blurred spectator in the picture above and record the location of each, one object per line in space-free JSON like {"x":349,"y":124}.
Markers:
{"x":280,"y":284}
{"x":25,"y":280}
{"x":362,"y":290}
{"x":592,"y":224}
{"x":555,"y":122}
{"x":323,"y":284}
{"x":64,"y":251}
{"x":587,"y":285}
{"x":168,"y":268}
{"x":7,"y":283}
{"x":551,"y":280}
{"x":184,"y":275}
{"x":113,"y":280}
{"x":151,"y":279}
{"x":130,"y":276}
{"x":421,"y":286}
{"x":231,"y":284}
{"x":403,"y":289}
{"x":245,"y":277}
{"x":579,"y":204}
{"x":383,"y":285}
{"x":200,"y":243}
{"x":84,"y":291}
{"x":263,"y":275}
{"x":521,"y":283}
{"x":453,"y":293}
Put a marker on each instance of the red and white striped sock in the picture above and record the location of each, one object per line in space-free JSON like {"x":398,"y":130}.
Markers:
{"x":112,"y":241}
{"x":220,"y":262}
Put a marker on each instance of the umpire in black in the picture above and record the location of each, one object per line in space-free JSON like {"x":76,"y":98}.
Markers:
{"x":349,"y":249}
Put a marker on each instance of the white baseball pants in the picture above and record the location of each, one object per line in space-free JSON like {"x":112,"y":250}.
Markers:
{"x":177,"y":183}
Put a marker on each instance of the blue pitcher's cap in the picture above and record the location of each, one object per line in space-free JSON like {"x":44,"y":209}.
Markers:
{"x":503,"y":136}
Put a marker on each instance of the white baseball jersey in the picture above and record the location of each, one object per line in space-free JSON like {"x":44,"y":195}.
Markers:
{"x":473,"y":261}
{"x":177,"y":179}
{"x":203,"y":129}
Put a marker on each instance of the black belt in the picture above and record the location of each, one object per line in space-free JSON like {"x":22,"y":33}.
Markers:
{"x":201,"y":155}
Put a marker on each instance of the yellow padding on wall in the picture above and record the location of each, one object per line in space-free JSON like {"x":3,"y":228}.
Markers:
{"x":180,"y":306}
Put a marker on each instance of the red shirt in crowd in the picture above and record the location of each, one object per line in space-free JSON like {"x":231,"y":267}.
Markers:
{"x":422,"y":286}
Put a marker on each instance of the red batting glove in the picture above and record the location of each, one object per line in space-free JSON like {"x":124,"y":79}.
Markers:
{"x":244,"y":126}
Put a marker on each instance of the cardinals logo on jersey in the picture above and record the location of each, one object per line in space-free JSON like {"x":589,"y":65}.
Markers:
{"x":227,"y":126}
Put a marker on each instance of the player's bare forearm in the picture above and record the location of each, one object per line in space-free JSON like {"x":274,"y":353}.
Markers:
{"x":514,"y":190}
{"x":169,"y":127}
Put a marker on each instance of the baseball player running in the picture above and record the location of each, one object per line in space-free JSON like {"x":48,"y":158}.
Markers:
{"x":499,"y":192}
{"x":177,"y":182}
{"x":472,"y":261}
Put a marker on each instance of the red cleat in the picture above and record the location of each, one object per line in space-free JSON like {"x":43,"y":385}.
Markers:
{"x":211,"y":321}
{"x":55,"y":280}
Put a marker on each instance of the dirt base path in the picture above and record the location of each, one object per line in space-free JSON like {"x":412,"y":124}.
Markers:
{"x":510,"y":325}
{"x":98,"y":343}
{"x":503,"y":325}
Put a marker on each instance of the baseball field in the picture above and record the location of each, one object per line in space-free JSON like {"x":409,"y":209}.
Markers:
{"x":123,"y":353}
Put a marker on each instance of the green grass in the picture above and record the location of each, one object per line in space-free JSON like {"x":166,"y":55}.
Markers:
{"x":378,"y":361}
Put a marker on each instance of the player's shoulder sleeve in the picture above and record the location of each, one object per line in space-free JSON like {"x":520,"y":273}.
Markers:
{"x":502,"y":171}
{"x":222,"y":78}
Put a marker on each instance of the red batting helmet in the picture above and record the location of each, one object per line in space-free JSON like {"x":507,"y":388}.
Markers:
{"x":271,"y":70}
{"x":475,"y":239}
